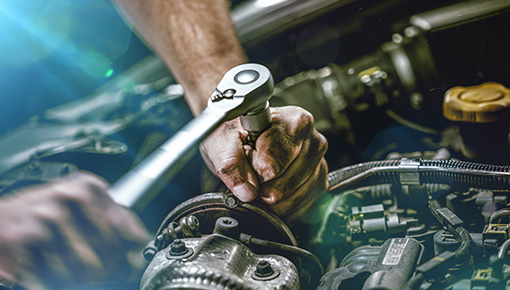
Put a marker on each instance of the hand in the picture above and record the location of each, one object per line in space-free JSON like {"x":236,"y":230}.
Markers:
{"x":66,"y":233}
{"x":286,"y":169}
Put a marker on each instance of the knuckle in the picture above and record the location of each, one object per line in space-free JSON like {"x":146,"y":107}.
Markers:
{"x":306,"y":117}
{"x":303,"y":117}
{"x":203,"y":150}
{"x":322,"y":175}
{"x":269,"y":169}
{"x":305,"y":123}
{"x":229,"y":172}
{"x":297,"y":115}
{"x":51,"y":212}
{"x":273,"y":194}
{"x":318,"y":145}
{"x":273,"y":198}
{"x":322,"y":143}
{"x":72,"y":192}
{"x":226,"y":167}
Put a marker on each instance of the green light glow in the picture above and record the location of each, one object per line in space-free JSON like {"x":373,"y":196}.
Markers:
{"x":94,"y":63}
{"x":109,"y":73}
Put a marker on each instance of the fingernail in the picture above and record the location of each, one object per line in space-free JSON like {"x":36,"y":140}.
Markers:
{"x":245,"y":192}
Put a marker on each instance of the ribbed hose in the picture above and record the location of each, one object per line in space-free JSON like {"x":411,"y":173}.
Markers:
{"x":449,"y":172}
{"x":404,"y":122}
{"x":337,"y":176}
{"x":477,"y":175}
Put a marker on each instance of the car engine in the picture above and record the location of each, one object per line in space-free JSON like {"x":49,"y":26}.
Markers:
{"x":414,"y":99}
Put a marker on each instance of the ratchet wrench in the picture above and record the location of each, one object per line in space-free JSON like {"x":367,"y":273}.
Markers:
{"x":243,"y":91}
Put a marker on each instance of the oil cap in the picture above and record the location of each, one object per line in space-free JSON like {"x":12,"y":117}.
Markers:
{"x":485,"y":103}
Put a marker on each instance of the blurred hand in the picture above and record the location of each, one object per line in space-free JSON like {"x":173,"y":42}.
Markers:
{"x":286,"y":169}
{"x":66,"y":233}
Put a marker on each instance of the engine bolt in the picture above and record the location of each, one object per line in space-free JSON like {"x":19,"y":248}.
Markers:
{"x":264,"y":269}
{"x":178,"y":248}
{"x":227,"y":226}
{"x":230,"y":200}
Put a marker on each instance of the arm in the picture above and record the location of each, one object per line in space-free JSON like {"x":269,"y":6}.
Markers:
{"x":195,"y":38}
{"x":197,"y":41}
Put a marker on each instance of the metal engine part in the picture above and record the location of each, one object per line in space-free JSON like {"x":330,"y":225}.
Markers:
{"x":212,"y":232}
{"x":386,"y":267}
{"x":217,"y":262}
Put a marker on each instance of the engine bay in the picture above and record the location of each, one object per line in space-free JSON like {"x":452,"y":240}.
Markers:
{"x":414,"y":99}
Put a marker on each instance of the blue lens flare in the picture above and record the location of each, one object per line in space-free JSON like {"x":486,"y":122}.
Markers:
{"x":56,"y":51}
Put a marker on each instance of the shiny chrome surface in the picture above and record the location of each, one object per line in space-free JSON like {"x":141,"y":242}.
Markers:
{"x":261,"y":18}
{"x":459,"y":13}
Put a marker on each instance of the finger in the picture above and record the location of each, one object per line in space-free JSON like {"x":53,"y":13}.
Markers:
{"x":113,"y":231}
{"x":300,"y":170}
{"x":30,"y":280}
{"x":89,"y":194}
{"x":225,"y":155}
{"x":67,"y":241}
{"x":78,"y":257}
{"x":279,"y":145}
{"x":52,"y":269}
{"x":305,"y":197}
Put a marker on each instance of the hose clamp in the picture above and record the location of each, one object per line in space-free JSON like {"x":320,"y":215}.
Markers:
{"x":408,"y":169}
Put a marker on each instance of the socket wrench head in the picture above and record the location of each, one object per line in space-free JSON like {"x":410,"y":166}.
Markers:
{"x":243,"y":89}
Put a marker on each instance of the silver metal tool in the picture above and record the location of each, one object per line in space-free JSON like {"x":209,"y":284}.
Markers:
{"x":243,"y":90}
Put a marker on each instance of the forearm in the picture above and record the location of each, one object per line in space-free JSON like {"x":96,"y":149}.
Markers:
{"x":195,"y":38}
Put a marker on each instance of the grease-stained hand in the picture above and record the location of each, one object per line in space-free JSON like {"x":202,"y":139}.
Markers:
{"x":68,"y":232}
{"x":286,"y":168}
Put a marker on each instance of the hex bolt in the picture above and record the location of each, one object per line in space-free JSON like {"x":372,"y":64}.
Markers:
{"x":230,"y":200}
{"x":264,"y":269}
{"x":178,"y":248}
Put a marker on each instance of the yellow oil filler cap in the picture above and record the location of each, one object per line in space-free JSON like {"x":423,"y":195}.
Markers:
{"x":485,"y":103}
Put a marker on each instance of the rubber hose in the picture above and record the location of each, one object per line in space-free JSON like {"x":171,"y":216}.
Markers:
{"x":499,"y":214}
{"x":503,"y":249}
{"x":465,"y":244}
{"x":460,"y":232}
{"x":315,"y":269}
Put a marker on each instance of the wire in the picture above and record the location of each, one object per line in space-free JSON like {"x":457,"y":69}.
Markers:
{"x":499,"y":214}
{"x":503,"y":249}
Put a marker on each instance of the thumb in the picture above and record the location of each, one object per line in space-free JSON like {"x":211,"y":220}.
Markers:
{"x":224,"y":154}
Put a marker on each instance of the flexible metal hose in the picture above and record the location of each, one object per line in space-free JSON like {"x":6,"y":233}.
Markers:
{"x":338,"y":176}
{"x":417,"y":172}
{"x":403,"y":121}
